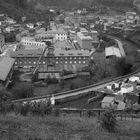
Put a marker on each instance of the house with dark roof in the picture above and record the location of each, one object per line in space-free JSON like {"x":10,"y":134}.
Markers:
{"x":6,"y":70}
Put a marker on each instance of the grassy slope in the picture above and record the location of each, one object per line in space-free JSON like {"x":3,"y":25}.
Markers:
{"x":63,"y":128}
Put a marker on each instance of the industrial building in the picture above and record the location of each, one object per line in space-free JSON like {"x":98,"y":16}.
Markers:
{"x":6,"y":71}
{"x":2,"y":42}
{"x":31,"y":43}
{"x":59,"y":35}
{"x":71,"y":60}
{"x":84,"y":41}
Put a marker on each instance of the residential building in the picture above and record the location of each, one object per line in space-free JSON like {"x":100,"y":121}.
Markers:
{"x":94,"y":35}
{"x":6,"y":70}
{"x":107,"y":102}
{"x":31,"y":43}
{"x":10,"y":20}
{"x":30,"y":25}
{"x":42,"y":37}
{"x":59,"y":35}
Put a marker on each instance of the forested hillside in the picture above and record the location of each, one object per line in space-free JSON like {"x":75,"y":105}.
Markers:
{"x":18,"y":8}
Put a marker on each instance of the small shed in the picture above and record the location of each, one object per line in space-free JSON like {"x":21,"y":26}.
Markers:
{"x":107,"y":102}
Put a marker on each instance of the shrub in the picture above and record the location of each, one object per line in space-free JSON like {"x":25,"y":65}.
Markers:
{"x":108,"y":120}
{"x":24,"y":90}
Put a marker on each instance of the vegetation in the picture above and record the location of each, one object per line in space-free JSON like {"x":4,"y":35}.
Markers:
{"x":17,"y":127}
{"x":108,"y":120}
{"x":123,"y":67}
{"x":22,"y":90}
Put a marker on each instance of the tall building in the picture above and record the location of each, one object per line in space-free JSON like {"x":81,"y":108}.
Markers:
{"x":84,"y":41}
{"x":59,"y":35}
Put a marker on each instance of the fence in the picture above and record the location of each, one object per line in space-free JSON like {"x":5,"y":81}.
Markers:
{"x":120,"y":114}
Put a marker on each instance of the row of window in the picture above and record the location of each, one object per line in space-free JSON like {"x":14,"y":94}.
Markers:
{"x":61,"y":38}
{"x":57,"y":62}
{"x":61,"y":34}
{"x":33,"y":43}
{"x":29,"y":62}
{"x":70,"y":58}
{"x":70,"y":62}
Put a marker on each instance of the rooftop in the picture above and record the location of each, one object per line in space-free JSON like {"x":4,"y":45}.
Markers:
{"x":59,"y":52}
{"x":108,"y":99}
{"x":6,"y":64}
{"x":110,"y":51}
{"x":83,"y":37}
{"x":56,"y":32}
{"x":27,"y":53}
{"x":63,"y":44}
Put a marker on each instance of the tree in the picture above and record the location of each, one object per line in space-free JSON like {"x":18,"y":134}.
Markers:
{"x":23,"y":90}
{"x":108,"y":120}
{"x":77,"y":83}
{"x":4,"y":95}
{"x":123,"y":67}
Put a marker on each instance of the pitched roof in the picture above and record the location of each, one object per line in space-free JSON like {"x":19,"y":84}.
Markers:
{"x":27,"y":53}
{"x":108,"y":99}
{"x":110,"y":51}
{"x":6,"y":64}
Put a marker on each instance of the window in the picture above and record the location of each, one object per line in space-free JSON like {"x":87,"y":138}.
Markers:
{"x":15,"y":62}
{"x":43,"y":62}
{"x":70,"y":62}
{"x":66,"y":62}
{"x":75,"y":62}
{"x":65,"y":57}
{"x":84,"y":57}
{"x":34,"y":62}
{"x":29,"y":62}
{"x":56,"y":62}
{"x":79,"y":57}
{"x":79,"y":62}
{"x":74,"y":57}
{"x":84,"y":62}
{"x":70,"y":57}
{"x":56,"y":57}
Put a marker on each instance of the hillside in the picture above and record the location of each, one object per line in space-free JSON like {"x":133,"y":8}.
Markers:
{"x":62,"y":128}
{"x":26,"y":4}
{"x":19,"y":8}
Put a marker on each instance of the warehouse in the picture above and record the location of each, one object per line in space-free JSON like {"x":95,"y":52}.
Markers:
{"x":6,"y":70}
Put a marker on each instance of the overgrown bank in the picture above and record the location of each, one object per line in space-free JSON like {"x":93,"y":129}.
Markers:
{"x":16,"y":127}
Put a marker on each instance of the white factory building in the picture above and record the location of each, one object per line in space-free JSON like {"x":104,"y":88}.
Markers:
{"x":84,"y":41}
{"x":59,"y":35}
{"x":30,"y":43}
